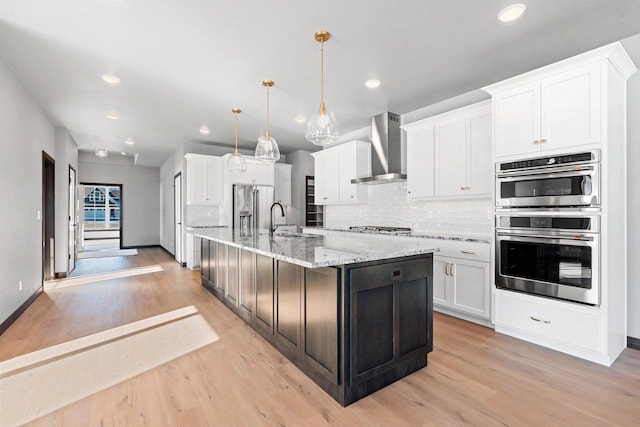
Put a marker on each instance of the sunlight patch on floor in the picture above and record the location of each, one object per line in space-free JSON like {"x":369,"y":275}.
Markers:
{"x":91,"y":278}
{"x":33,"y":386}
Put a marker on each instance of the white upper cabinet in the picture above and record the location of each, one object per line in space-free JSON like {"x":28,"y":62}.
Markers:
{"x":282,"y":190}
{"x":258,"y":173}
{"x":449,"y":155}
{"x":204,"y":179}
{"x":561,"y":111}
{"x":335,"y":167}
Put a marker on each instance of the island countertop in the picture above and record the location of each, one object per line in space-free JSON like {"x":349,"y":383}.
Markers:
{"x":313,"y":251}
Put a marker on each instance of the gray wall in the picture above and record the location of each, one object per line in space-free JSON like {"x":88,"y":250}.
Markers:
{"x":140,"y":195}
{"x":301,"y":166}
{"x":26,"y":132}
{"x":633,"y":206}
{"x":66,"y":155}
{"x":168,"y":171}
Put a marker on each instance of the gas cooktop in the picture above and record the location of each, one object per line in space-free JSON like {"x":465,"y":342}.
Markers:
{"x":380,"y":229}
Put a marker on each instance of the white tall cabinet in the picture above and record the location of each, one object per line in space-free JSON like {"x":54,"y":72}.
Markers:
{"x":574,"y":105}
{"x":204,"y":179}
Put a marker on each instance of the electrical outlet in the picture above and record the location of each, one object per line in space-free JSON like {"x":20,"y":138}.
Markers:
{"x":20,"y":285}
{"x":39,"y":216}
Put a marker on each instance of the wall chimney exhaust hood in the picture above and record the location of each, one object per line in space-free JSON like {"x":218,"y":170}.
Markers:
{"x":386,"y":153}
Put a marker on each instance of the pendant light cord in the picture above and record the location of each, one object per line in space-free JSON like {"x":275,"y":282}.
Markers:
{"x":236,"y":154}
{"x":322,"y":108}
{"x":267,"y":132}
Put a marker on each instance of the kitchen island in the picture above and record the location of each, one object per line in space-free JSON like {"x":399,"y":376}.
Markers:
{"x":352,"y":315}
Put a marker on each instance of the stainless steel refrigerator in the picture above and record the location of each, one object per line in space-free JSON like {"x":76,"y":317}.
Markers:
{"x":251,"y":204}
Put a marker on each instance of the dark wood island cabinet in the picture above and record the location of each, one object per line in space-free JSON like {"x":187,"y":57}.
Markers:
{"x":352,"y":328}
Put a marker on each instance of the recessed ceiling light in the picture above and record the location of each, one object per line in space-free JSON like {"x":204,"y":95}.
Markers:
{"x":372,"y":84}
{"x":512,"y":12}
{"x":102,"y":153}
{"x":204,"y":130}
{"x":123,"y":153}
{"x":129,"y":141}
{"x":112,"y":116}
{"x":110,"y":79}
{"x":300,"y":119}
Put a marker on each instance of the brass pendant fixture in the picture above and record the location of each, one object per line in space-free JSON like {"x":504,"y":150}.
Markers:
{"x":236,"y":162}
{"x":322,"y":128}
{"x":267,"y":148}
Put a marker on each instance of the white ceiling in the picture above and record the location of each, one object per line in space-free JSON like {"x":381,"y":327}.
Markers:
{"x":184,"y":64}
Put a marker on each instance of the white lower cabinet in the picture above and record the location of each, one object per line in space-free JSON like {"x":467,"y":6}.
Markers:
{"x":462,"y":285}
{"x":568,"y":327}
{"x":193,"y":252}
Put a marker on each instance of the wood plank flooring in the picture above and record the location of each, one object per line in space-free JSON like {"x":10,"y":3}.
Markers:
{"x":474,"y":377}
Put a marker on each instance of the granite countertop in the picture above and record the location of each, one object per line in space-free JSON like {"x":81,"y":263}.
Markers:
{"x":194,"y":226}
{"x":420,"y":235}
{"x":312,"y":251}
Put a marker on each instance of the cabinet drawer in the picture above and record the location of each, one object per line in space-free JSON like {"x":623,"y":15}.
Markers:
{"x":392,"y":272}
{"x":472,"y":251}
{"x":559,"y":321}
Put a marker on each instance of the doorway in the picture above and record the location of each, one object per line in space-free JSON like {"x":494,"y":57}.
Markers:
{"x":73,"y":220}
{"x":101,"y":217}
{"x":177,"y":215}
{"x":48,"y":217}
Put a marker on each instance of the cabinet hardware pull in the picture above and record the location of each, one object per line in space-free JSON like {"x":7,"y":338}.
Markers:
{"x":468,"y":252}
{"x":540,"y":320}
{"x":409,"y":192}
{"x":536,"y":142}
{"x":444,"y":266}
{"x":324,"y":198}
{"x":351,"y":197}
{"x":462,"y":188}
{"x":451,"y":270}
{"x":543,"y":141}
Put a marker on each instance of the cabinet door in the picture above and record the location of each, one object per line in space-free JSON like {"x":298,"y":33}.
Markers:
{"x":571,"y":108}
{"x":221,"y":267}
{"x":420,"y":155}
{"x":517,"y":120}
{"x":479,"y":164}
{"x":257,"y":173}
{"x":470,"y":287}
{"x":197,"y":181}
{"x":327,"y":176}
{"x":288,"y":305}
{"x":233,"y":275}
{"x":348,"y":171}
{"x":320,"y":321}
{"x":214,"y":191}
{"x":204,"y":263}
{"x":441,"y":282}
{"x":247,"y":294}
{"x":282,"y":190}
{"x":450,"y":154}
{"x":264,"y":294}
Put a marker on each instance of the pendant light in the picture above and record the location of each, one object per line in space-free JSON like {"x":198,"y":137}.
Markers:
{"x":267,"y":148}
{"x":322,"y":128}
{"x":236,"y":162}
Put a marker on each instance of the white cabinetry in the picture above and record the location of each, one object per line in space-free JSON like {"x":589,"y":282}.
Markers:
{"x":450,"y":155}
{"x":257,"y":173}
{"x":461,"y":284}
{"x":282,"y":190}
{"x":574,"y":105}
{"x":204,"y":179}
{"x":193,"y":252}
{"x":335,"y":167}
{"x":554,"y":113}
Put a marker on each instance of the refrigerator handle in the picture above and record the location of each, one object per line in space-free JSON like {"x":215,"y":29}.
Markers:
{"x":256,"y":210}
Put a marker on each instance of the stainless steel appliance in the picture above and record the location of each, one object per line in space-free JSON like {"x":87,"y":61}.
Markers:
{"x":381,"y":229}
{"x":550,"y":255}
{"x":563,"y":181}
{"x":251,"y":205}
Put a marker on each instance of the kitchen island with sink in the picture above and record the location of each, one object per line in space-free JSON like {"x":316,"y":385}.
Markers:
{"x":352,"y":315}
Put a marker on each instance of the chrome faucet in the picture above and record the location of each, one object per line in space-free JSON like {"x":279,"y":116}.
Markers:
{"x":273,"y":227}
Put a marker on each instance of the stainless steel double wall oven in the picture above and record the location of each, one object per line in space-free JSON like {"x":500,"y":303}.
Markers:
{"x":548,"y":226}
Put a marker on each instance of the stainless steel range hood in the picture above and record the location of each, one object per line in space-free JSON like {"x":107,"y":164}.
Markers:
{"x":386,"y":153}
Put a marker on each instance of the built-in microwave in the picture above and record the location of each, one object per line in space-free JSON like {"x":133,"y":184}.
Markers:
{"x":562,"y":181}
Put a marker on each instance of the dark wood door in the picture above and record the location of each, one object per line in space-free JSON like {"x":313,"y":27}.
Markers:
{"x":320,"y":310}
{"x":264,"y":294}
{"x":247,"y":300}
{"x":205,"y":258}
{"x":221,"y":268}
{"x":233,"y":275}
{"x":288,"y":304}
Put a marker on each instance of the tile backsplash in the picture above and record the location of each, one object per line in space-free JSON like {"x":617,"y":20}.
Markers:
{"x":388,"y":206}
{"x":202,"y":215}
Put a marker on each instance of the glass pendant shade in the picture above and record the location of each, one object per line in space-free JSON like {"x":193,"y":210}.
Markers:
{"x":322,"y":128}
{"x":236,"y":163}
{"x":267,"y":149}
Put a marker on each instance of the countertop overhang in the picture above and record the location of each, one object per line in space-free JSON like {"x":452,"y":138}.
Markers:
{"x":314,"y":251}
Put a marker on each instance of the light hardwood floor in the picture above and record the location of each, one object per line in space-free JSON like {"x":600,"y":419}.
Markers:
{"x":474,"y":377}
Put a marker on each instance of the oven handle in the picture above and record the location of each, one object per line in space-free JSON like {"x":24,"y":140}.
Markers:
{"x":546,"y":175}
{"x":547,"y":238}
{"x":559,"y":171}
